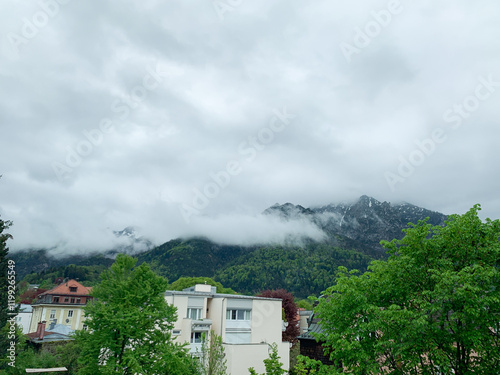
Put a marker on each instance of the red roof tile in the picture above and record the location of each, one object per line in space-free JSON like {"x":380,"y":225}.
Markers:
{"x":64,"y":289}
{"x":34,"y":335}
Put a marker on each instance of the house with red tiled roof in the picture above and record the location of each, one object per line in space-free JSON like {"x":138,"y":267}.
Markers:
{"x":62,"y":305}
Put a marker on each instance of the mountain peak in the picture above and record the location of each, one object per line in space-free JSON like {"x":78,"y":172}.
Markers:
{"x":127,"y":232}
{"x":133,"y":242}
{"x":287,"y":210}
{"x":365,"y":200}
{"x":361,"y":224}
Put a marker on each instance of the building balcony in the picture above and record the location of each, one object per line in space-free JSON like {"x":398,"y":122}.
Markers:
{"x":195,"y":349}
{"x":201,"y":325}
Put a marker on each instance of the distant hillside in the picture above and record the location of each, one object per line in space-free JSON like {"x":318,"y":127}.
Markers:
{"x":38,"y":261}
{"x":304,"y":271}
{"x":42,"y":260}
{"x":353,"y":232}
{"x":191,"y":257}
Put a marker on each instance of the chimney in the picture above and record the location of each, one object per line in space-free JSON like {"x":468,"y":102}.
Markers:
{"x":38,"y":329}
{"x":41,"y":330}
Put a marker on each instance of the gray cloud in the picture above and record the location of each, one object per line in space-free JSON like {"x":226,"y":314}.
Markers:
{"x":218,"y":85}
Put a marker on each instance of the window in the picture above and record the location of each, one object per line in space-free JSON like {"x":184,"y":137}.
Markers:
{"x":196,"y":338}
{"x":70,"y":313}
{"x":73,"y":288}
{"x":66,"y":299}
{"x":52,"y":314}
{"x":176,"y":332}
{"x":56,"y":299}
{"x":78,"y":300}
{"x":72,"y":300}
{"x":238,"y":314}
{"x":194,"y":314}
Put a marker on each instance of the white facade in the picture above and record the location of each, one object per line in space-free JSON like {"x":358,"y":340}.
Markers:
{"x":23,"y":319}
{"x":247,"y":325}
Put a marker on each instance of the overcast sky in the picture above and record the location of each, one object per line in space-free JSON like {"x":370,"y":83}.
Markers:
{"x":192,"y":117}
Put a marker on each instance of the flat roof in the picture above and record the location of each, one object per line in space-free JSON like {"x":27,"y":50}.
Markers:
{"x":216,"y":295}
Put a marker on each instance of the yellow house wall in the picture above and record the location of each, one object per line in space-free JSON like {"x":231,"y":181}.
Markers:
{"x":42,"y":313}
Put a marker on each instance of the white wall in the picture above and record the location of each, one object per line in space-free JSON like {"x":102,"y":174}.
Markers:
{"x":23,"y":320}
{"x":217,"y":313}
{"x":240,"y":357}
{"x":266,"y":321}
{"x":181,"y":302}
{"x":265,"y":327}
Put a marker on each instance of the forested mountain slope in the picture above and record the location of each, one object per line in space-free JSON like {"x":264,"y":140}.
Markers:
{"x":352,"y":235}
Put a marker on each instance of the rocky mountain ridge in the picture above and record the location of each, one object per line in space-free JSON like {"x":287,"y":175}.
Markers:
{"x":359,"y":225}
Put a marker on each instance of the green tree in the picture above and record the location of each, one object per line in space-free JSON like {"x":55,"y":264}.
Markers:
{"x":129,"y":325}
{"x":305,"y":304}
{"x":308,"y":366}
{"x":63,"y":354}
{"x":432,"y":308}
{"x":8,"y":294}
{"x":213,"y":358}
{"x":29,"y":358}
{"x":273,"y":364}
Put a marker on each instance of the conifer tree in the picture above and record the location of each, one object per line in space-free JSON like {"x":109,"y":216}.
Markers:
{"x":6,"y":308}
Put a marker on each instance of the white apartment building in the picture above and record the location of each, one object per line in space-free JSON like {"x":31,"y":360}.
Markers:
{"x":247,"y":325}
{"x":23,"y":319}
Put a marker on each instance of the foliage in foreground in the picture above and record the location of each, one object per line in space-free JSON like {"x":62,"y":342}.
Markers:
{"x":308,"y":366}
{"x":50,"y":355}
{"x":129,"y":325}
{"x":432,"y":307}
{"x":212,"y":358}
{"x":273,"y":364}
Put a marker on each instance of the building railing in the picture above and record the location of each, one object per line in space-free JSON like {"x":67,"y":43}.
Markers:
{"x":201,"y":325}
{"x":50,"y":300}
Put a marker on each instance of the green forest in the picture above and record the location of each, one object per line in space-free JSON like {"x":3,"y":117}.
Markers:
{"x":304,"y":271}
